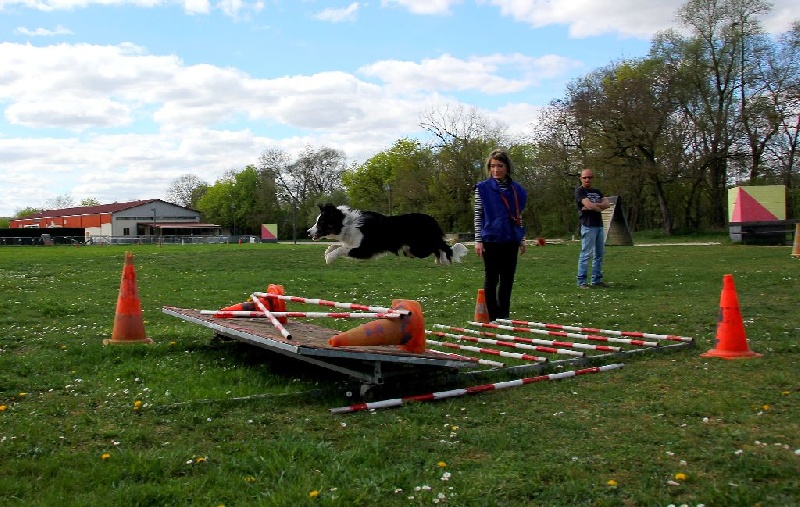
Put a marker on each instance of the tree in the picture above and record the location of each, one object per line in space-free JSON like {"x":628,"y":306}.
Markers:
{"x":783,"y":151}
{"x":710,"y":61}
{"x":392,"y":181}
{"x":462,"y":141}
{"x":186,"y":191}
{"x":90,"y":201}
{"x":25,"y":212}
{"x":60,"y":202}
{"x":627,"y":111}
{"x":315,"y":175}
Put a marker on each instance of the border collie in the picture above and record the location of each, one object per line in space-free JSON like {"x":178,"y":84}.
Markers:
{"x":367,"y":234}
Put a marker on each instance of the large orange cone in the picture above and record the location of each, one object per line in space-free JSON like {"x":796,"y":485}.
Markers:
{"x":731,"y":339}
{"x":796,"y":246}
{"x":128,"y":321}
{"x":408,"y":331}
{"x":481,"y":313}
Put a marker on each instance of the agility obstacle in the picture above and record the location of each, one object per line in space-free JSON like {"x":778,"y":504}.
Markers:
{"x":500,"y":343}
{"x":226,"y":314}
{"x":383,"y":348}
{"x":568,"y":335}
{"x":396,"y":402}
{"x":484,"y":350}
{"x":634,"y":334}
{"x":552,"y":343}
{"x":322,"y":302}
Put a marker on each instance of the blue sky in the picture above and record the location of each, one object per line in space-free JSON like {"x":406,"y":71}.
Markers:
{"x":116,"y":99}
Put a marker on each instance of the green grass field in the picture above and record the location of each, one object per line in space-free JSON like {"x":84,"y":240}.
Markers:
{"x":191,"y":420}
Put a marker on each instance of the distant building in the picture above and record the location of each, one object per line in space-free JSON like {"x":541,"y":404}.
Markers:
{"x":150,"y":217}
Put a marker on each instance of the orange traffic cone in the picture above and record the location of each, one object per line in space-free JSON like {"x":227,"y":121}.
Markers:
{"x":247,"y":306}
{"x":481,"y":313}
{"x":731,"y":339}
{"x":796,"y":246}
{"x":128,"y":321}
{"x":275,"y":304}
{"x":408,"y":331}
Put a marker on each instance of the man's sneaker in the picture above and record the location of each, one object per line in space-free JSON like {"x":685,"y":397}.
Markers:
{"x":583,"y":286}
{"x":600,"y":284}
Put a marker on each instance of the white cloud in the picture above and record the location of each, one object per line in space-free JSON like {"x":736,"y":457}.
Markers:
{"x":628,"y":18}
{"x":348,"y":13}
{"x":196,"y":6}
{"x":204,"y":119}
{"x":423,"y":6}
{"x":486,"y":74}
{"x":43,"y":32}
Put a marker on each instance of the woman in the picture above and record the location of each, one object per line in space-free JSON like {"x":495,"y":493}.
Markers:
{"x":499,"y":233}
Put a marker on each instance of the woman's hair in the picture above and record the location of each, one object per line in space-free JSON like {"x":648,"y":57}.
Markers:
{"x":497,"y":154}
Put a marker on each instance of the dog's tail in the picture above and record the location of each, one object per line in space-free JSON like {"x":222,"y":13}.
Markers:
{"x":459,"y":251}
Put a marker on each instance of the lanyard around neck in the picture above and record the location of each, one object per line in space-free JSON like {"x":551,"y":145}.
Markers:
{"x":518,"y":218}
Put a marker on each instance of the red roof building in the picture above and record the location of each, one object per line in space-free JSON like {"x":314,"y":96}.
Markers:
{"x":149,"y":217}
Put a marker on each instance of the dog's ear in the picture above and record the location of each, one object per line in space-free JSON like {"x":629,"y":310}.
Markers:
{"x":320,"y":206}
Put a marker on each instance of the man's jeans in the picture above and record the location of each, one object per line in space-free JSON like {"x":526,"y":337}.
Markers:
{"x":592,"y":243}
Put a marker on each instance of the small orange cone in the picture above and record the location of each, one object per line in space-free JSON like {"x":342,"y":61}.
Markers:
{"x":408,"y":331}
{"x":277,"y":305}
{"x":128,"y":321}
{"x":796,"y":246}
{"x":247,"y":306}
{"x":731,"y":339}
{"x":481,"y":313}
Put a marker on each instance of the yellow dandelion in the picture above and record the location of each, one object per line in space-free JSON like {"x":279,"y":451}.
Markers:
{"x":63,"y":347}
{"x":612,"y":483}
{"x":172,"y":344}
{"x":313,"y":494}
{"x":137,"y":404}
{"x":3,"y":408}
{"x":441,"y":464}
{"x":22,"y":395}
{"x":680,"y":476}
{"x":249,"y":479}
{"x":105,"y":455}
{"x":201,"y":459}
{"x":765,"y":407}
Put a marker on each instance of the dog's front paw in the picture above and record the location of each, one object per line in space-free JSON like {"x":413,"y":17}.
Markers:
{"x":330,"y":249}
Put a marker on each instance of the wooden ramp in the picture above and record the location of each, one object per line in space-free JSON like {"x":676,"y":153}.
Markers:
{"x":309,"y":343}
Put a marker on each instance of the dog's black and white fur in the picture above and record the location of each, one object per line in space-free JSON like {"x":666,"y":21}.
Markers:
{"x":367,"y":234}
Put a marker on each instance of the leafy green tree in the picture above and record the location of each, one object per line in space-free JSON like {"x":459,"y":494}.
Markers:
{"x":25,"y":212}
{"x":392,"y":181}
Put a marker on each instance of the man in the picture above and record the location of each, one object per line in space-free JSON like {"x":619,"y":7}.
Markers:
{"x":591,"y":202}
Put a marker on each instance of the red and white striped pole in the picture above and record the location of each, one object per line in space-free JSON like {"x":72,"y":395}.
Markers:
{"x":322,"y":302}
{"x":493,"y":352}
{"x":592,"y":337}
{"x":395,"y":402}
{"x":634,"y":334}
{"x":311,"y":315}
{"x":486,"y":362}
{"x":286,"y":334}
{"x":499,"y":343}
{"x":587,"y":346}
